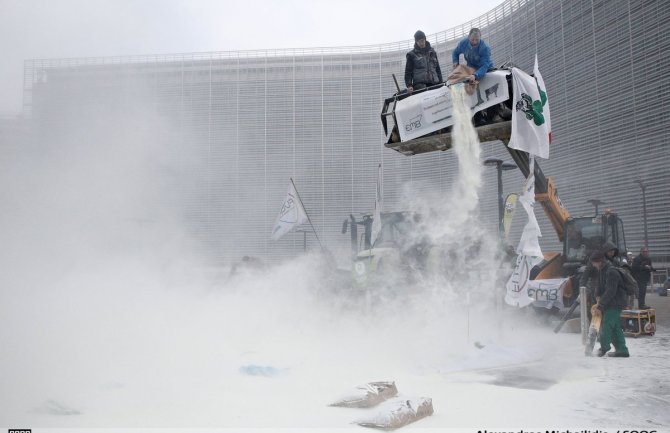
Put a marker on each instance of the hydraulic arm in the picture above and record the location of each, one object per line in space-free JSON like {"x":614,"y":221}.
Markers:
{"x":545,"y":192}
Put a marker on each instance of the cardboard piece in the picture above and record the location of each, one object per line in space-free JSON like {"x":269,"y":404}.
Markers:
{"x":368,"y":395}
{"x":398,"y":413}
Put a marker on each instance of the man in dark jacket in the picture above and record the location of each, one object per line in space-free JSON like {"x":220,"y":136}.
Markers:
{"x":476,"y":52}
{"x":641,"y":271}
{"x":612,"y":253}
{"x":590,"y":273}
{"x":422,"y":69}
{"x":611,"y":297}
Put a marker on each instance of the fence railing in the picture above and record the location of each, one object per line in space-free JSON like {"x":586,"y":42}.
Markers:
{"x":659,"y":277}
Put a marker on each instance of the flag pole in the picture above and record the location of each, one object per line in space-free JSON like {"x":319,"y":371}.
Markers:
{"x":308,"y":218}
{"x":379,"y":196}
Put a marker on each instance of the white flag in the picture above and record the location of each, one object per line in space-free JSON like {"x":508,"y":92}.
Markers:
{"x":517,"y":286}
{"x":530,"y":253}
{"x":379,"y":201}
{"x":510,"y":209}
{"x":292,"y":214}
{"x":531,"y":122}
{"x":529,"y":244}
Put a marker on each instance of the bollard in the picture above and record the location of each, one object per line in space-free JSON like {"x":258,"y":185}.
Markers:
{"x":583,"y":317}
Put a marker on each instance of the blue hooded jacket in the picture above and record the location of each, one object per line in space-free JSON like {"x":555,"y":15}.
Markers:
{"x":478,"y":57}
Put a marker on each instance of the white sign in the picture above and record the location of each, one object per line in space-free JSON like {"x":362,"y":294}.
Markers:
{"x":547,"y":293}
{"x":430,"y":111}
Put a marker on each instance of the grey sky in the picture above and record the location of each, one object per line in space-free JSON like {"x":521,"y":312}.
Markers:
{"x":32,"y":29}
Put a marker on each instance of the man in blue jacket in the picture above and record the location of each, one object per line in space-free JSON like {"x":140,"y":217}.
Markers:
{"x":476,"y":52}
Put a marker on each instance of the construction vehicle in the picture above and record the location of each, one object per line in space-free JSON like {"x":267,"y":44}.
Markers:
{"x":580,"y":235}
{"x":396,"y":250}
{"x":396,"y":254}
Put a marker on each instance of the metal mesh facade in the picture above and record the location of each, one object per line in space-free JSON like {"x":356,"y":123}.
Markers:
{"x":241,"y":123}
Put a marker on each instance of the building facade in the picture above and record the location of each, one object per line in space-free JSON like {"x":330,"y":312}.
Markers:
{"x":231,"y":128}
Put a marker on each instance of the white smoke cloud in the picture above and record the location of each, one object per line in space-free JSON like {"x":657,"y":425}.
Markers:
{"x":114,"y":320}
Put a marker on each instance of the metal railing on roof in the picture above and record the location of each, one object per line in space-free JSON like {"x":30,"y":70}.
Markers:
{"x":498,"y":13}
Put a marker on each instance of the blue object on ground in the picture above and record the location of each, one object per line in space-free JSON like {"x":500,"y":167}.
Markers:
{"x":259,"y":370}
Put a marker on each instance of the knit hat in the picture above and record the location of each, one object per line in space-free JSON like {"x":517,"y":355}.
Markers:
{"x":419,"y":35}
{"x":597,"y":256}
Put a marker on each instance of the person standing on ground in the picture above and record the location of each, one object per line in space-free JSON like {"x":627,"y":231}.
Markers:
{"x":477,"y":54}
{"x":642,"y":270}
{"x":589,"y":275}
{"x":611,"y":300}
{"x":422,"y":69}
{"x":612,"y":253}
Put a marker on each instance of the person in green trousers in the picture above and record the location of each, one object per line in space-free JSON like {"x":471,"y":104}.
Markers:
{"x":611,"y":299}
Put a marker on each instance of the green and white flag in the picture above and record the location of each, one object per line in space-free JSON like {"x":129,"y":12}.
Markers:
{"x":291,"y":215}
{"x":531,"y":122}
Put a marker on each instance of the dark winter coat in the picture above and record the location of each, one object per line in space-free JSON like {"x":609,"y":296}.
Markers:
{"x":616,"y":259}
{"x":422,"y":67}
{"x":641,"y":274}
{"x":610,"y":288}
{"x":607,"y":246}
{"x":590,"y":273}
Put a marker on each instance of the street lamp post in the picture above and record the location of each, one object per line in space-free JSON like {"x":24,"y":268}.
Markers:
{"x":500,"y":166}
{"x":304,"y":238}
{"x":643,"y":187}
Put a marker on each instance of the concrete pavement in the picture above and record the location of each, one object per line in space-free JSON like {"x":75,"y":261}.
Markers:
{"x":662,"y":306}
